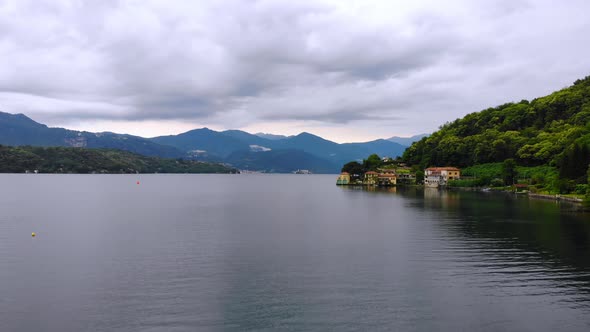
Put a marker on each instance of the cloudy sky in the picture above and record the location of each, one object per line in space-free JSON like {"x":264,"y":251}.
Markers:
{"x":345,"y":70}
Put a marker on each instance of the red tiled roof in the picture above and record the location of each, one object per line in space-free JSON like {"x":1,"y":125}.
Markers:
{"x":345,"y":173}
{"x":371,"y":172}
{"x":442,"y":169}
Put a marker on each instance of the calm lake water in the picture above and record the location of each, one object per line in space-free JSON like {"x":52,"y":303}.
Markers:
{"x":283,"y":252}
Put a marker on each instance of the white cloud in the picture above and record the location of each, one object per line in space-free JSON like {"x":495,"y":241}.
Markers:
{"x":377,"y":68}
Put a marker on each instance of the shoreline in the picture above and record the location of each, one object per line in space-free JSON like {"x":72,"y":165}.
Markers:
{"x":554,"y":197}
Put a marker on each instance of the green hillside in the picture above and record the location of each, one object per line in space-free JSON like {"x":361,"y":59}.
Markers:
{"x":549,"y":131}
{"x":79,"y":160}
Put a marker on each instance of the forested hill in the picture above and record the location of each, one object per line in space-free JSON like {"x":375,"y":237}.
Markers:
{"x":552,"y":130}
{"x":81,"y":160}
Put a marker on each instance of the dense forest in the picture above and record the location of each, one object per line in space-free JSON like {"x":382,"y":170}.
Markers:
{"x":551,"y":131}
{"x":78,"y":160}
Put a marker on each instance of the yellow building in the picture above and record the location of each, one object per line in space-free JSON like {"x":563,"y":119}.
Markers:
{"x":371,"y":178}
{"x":440,"y":176}
{"x":387,"y":178}
{"x":343,"y":178}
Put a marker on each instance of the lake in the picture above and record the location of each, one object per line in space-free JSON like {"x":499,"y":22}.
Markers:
{"x":283,"y":252}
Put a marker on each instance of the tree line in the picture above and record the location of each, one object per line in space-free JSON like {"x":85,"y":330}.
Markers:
{"x":81,"y":160}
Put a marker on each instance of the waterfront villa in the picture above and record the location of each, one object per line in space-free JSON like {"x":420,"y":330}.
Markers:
{"x":384,"y":177}
{"x":405,"y":176}
{"x":387,"y":178}
{"x":343,"y":178}
{"x":440,"y":176}
{"x":371,"y":178}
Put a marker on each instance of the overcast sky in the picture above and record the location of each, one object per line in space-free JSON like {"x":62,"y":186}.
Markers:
{"x":345,"y":70}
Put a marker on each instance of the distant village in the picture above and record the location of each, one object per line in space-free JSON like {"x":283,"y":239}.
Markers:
{"x":401,"y":176}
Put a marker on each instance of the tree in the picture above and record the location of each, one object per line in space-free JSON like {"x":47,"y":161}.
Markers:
{"x":372,"y":162}
{"x":354,"y":168}
{"x":419,"y":176}
{"x":509,"y":171}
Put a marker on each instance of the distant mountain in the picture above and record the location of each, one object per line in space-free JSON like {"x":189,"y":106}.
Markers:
{"x":310,"y":143}
{"x":18,"y":129}
{"x":281,"y":161}
{"x":223,"y":144}
{"x":271,"y":136}
{"x":248,"y":138}
{"x":381,"y":147}
{"x":407,"y":141}
{"x":204,"y":144}
{"x":204,"y":140}
{"x":340,"y":153}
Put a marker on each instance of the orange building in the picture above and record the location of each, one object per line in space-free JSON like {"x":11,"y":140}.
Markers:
{"x":371,"y":178}
{"x":440,"y":176}
{"x":387,"y":178}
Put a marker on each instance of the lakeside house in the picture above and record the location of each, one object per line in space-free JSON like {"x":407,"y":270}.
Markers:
{"x":387,"y":178}
{"x":371,"y":178}
{"x":384,"y":177}
{"x":343,"y":178}
{"x":440,"y":176}
{"x":405,"y":176}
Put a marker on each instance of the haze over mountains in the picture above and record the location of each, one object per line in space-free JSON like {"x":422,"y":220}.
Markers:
{"x":407,"y":141}
{"x":262,"y":152}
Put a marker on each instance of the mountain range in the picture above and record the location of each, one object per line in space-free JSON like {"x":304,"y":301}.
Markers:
{"x":262,"y":152}
{"x":18,"y":129}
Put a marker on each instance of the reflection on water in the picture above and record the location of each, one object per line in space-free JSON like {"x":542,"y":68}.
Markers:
{"x":284,"y":252}
{"x":511,"y":245}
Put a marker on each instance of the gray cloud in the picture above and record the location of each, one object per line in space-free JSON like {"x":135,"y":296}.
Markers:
{"x":407,"y":66}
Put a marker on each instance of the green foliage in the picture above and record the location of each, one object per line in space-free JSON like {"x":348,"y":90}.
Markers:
{"x":492,"y":170}
{"x":509,"y":171}
{"x":355,"y":169}
{"x":541,"y":132}
{"x":581,"y":189}
{"x":419,"y":176}
{"x":79,"y":160}
{"x":574,"y":163}
{"x":372,"y":162}
{"x":551,"y":132}
{"x":545,"y":178}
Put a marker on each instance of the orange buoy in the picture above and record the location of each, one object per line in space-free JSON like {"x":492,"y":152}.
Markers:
{"x":137,"y":182}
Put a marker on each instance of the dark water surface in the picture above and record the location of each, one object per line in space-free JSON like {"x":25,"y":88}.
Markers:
{"x":283,"y":252}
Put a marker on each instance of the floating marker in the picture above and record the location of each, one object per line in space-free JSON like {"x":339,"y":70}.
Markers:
{"x":33,"y":234}
{"x":137,"y":182}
